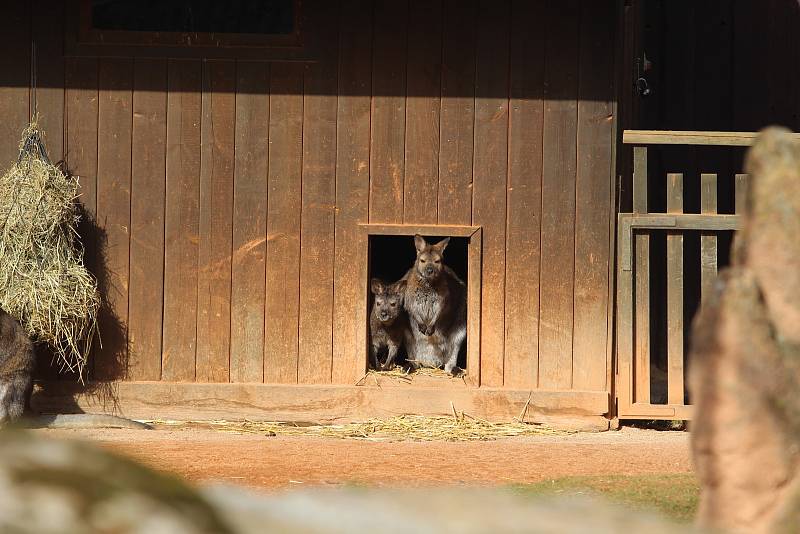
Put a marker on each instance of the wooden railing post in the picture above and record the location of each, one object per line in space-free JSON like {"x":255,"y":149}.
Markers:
{"x":641,"y":277}
{"x":708,"y":240}
{"x":675,"y":295}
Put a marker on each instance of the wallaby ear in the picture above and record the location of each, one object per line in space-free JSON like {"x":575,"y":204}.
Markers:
{"x":400,"y":286}
{"x":420,"y":243}
{"x":376,"y":286}
{"x":441,"y":245}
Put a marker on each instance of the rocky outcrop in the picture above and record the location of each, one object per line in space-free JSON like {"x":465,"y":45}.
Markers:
{"x":745,"y":358}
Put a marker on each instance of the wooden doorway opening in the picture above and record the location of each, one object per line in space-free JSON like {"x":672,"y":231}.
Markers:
{"x":395,"y":244}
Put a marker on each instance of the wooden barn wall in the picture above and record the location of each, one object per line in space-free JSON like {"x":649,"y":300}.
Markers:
{"x":223,"y":196}
{"x":716,"y":65}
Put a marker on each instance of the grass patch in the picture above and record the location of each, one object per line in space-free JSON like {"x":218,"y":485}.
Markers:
{"x":674,"y":496}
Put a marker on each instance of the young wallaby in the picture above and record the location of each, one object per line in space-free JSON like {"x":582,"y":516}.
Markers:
{"x":17,"y":362}
{"x":436,"y":302}
{"x":387,"y":321}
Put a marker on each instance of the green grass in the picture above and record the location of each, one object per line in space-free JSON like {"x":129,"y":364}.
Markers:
{"x":674,"y":496}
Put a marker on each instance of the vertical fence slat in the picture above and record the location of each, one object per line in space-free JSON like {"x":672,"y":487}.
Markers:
{"x":675,"y":295}
{"x":641,"y":323}
{"x":741,"y":191}
{"x":708,"y":241}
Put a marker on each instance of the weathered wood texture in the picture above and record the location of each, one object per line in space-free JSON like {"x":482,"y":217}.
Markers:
{"x":230,"y":191}
{"x":321,"y":403}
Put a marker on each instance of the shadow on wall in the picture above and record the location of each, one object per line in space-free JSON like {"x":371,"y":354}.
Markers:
{"x":108,"y":360}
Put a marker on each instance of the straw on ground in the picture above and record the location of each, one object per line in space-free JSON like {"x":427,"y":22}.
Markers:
{"x":459,"y":427}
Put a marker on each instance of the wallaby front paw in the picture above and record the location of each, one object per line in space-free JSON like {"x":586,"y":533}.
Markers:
{"x":456,"y":371}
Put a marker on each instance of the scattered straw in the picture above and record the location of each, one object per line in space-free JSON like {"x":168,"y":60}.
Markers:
{"x":459,"y":427}
{"x":407,"y":375}
{"x":43,"y":282}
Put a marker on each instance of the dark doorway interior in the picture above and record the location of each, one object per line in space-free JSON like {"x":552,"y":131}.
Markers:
{"x":391,"y":256}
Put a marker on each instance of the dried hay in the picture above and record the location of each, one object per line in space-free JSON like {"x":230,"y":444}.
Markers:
{"x":43,"y":282}
{"x":405,"y":374}
{"x":459,"y":427}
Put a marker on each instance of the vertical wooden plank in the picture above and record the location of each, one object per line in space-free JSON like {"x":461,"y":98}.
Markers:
{"x":15,"y":42}
{"x":457,"y":115}
{"x":181,"y":231}
{"x":595,"y":177}
{"x":780,"y":40}
{"x":148,"y":179}
{"x":741,"y":193}
{"x":81,"y":142}
{"x":80,"y":153}
{"x":474,"y":309}
{"x":352,"y":185}
{"x":526,"y":116}
{"x":750,"y":99}
{"x":250,"y":194}
{"x":558,"y":196}
{"x":424,"y":74}
{"x":624,"y":385}
{"x":641,"y":282}
{"x":490,"y":178}
{"x":218,"y":103}
{"x":47,"y":27}
{"x":708,"y":241}
{"x":115,"y":114}
{"x":283,"y":223}
{"x":387,"y":131}
{"x":675,"y":295}
{"x":319,"y":197}
{"x":47,"y":32}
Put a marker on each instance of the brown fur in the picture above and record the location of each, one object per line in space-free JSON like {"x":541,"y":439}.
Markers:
{"x":387,"y":321}
{"x":436,"y":302}
{"x":17,"y":362}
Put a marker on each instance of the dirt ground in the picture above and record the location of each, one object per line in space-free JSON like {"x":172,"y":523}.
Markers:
{"x":206,"y":456}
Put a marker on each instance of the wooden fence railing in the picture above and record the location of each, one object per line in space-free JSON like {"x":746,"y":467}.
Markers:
{"x":634,"y":358}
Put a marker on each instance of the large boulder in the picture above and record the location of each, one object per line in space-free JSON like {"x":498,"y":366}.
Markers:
{"x":744,"y":372}
{"x":59,"y":487}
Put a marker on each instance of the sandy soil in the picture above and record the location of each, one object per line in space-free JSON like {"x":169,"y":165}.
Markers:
{"x":203,"y":455}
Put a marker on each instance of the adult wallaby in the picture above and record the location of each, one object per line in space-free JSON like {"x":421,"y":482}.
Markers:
{"x":436,"y":302}
{"x":387,"y":321}
{"x":17,"y":361}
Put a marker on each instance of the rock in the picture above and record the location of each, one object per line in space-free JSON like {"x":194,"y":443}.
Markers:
{"x":744,"y":373}
{"x":57,"y":487}
{"x":52,"y":486}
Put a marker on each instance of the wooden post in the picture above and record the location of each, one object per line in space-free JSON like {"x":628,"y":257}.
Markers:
{"x":741,"y":192}
{"x":641,"y":323}
{"x":675,"y":295}
{"x":708,"y":241}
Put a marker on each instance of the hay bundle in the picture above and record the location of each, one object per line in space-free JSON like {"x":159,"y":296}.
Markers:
{"x":43,"y":282}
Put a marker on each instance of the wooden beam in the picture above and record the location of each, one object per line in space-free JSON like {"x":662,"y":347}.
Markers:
{"x":410,"y":230}
{"x":641,"y":283}
{"x":318,"y":403}
{"x":741,"y":193}
{"x":675,"y":280}
{"x":676,"y":137}
{"x":685,"y":221}
{"x":708,"y":240}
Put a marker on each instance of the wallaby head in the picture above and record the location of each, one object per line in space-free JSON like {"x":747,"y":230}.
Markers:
{"x":388,"y":299}
{"x":429,"y":263}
